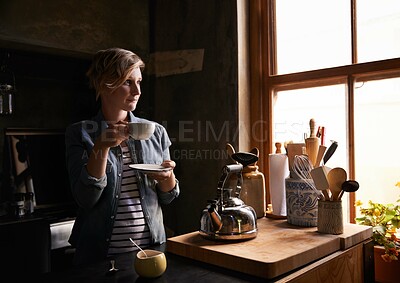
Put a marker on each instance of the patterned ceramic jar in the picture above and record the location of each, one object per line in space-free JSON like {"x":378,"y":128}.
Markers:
{"x":301,"y":203}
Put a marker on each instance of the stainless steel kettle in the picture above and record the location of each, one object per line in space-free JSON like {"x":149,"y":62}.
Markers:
{"x":227,"y":217}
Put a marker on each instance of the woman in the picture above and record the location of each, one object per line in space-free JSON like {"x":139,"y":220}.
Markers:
{"x":115,"y":202}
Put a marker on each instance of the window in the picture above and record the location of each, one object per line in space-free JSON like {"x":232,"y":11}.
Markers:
{"x":378,"y":29}
{"x":376,"y":118}
{"x":312,"y":34}
{"x":339,"y":63}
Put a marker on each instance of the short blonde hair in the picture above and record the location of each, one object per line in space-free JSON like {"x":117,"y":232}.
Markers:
{"x":111,"y":67}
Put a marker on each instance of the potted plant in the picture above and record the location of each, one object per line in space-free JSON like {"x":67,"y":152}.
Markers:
{"x":385,"y":220}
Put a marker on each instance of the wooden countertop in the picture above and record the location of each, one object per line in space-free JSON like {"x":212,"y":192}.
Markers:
{"x":278,"y":248}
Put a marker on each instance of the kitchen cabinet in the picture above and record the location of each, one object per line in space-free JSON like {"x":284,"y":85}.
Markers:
{"x":24,"y":245}
{"x":34,"y":244}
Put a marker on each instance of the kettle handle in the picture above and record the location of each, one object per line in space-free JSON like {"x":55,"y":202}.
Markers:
{"x":234,"y":168}
{"x":227,"y":170}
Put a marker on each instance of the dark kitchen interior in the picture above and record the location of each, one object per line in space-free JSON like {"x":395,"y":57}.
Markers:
{"x":52,"y":89}
{"x":46,"y":48}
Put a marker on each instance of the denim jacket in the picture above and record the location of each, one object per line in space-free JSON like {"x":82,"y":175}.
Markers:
{"x":97,"y":198}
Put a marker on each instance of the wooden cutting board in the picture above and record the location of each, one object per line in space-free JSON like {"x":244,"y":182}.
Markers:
{"x":278,"y":248}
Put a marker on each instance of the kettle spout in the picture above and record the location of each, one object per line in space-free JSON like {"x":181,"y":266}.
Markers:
{"x":215,"y":218}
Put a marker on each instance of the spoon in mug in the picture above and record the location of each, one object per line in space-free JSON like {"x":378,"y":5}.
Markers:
{"x":138,"y":247}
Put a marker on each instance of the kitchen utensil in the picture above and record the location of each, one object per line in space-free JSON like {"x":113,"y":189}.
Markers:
{"x":112,"y":270}
{"x":320,"y":155}
{"x":321,"y":134}
{"x":349,"y":186}
{"x":319,"y":176}
{"x":227,"y":217}
{"x":278,"y":147}
{"x":292,"y":150}
{"x":336,"y":177}
{"x":302,"y":168}
{"x":312,"y":143}
{"x":330,"y":151}
{"x":245,"y":158}
{"x":285,"y":145}
{"x":137,"y":246}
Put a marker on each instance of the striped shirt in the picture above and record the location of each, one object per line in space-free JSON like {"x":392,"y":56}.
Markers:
{"x":129,"y":220}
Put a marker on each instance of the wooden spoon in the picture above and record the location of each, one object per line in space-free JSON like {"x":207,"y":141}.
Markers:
{"x":336,"y":177}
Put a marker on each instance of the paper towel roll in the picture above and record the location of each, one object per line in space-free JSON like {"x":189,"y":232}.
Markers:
{"x":278,"y":172}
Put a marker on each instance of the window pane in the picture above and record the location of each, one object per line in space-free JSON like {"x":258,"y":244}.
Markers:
{"x":312,"y":34}
{"x":377,"y":156}
{"x":293,"y":110}
{"x":378,"y":29}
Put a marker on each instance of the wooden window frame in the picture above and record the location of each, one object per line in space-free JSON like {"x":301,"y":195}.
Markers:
{"x":264,"y":84}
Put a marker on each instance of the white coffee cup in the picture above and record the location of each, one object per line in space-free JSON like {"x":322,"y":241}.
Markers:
{"x":141,"y":130}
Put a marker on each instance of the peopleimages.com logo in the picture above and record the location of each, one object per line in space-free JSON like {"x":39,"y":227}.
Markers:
{"x":199,"y":154}
{"x":209,"y":131}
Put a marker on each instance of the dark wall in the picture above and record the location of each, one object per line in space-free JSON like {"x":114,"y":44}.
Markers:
{"x":48,"y":46}
{"x":75,"y":26}
{"x":51,"y":91}
{"x":199,"y":108}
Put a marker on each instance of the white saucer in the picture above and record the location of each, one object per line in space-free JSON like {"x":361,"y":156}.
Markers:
{"x":148,"y":168}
